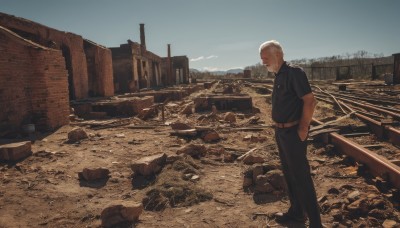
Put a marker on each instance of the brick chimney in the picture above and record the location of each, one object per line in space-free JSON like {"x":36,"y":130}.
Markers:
{"x":169,"y":65}
{"x":142,"y":37}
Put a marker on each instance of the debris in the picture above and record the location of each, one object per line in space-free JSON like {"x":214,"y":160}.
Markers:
{"x":91,"y":174}
{"x":76,"y":135}
{"x":193,"y":150}
{"x":15,"y":151}
{"x":210,"y":136}
{"x":121,"y":214}
{"x":230,"y":117}
{"x":247,"y":153}
{"x":149,"y":165}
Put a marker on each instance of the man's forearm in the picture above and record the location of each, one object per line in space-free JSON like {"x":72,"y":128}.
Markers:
{"x":309,"y":104}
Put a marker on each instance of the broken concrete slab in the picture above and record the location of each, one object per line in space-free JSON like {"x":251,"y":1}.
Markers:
{"x":125,"y":106}
{"x":15,"y":151}
{"x":149,"y":165}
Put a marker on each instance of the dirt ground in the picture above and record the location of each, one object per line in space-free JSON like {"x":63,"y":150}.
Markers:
{"x":44,"y":190}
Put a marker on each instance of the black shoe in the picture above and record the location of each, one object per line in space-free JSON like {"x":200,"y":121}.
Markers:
{"x":286,"y":217}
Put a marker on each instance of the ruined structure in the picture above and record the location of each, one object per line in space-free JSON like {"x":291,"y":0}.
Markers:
{"x":396,"y":69}
{"x":33,"y":84}
{"x":180,"y":69}
{"x":175,"y":69}
{"x":135,"y":67}
{"x":89,"y":65}
{"x":99,"y":68}
{"x":246,"y":73}
{"x":45,"y":69}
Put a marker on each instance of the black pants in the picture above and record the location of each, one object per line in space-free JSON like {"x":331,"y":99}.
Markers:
{"x":302,"y":196}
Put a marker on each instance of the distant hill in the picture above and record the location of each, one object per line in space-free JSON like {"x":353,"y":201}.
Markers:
{"x":219,"y":72}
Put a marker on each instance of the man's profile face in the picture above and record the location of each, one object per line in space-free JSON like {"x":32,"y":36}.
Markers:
{"x":270,"y":60}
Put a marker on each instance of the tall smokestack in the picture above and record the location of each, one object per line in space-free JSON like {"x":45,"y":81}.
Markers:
{"x":142,"y":37}
{"x":169,"y":65}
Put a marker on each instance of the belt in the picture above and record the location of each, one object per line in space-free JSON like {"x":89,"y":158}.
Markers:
{"x":286,"y":125}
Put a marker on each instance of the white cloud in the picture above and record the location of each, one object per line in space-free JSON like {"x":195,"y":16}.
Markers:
{"x":203,"y":58}
{"x":219,"y":69}
{"x":212,"y":57}
{"x":210,"y":69}
{"x":197,"y":59}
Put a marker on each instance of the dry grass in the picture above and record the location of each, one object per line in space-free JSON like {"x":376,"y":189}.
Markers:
{"x":172,"y":189}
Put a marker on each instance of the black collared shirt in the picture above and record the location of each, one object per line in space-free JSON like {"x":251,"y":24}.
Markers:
{"x":290,"y":85}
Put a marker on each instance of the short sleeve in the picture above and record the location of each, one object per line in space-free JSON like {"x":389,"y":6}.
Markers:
{"x":300,"y":82}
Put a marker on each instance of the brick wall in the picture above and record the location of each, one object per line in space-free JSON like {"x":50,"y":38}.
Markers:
{"x":70,"y":44}
{"x":33,"y":83}
{"x":100,"y":71}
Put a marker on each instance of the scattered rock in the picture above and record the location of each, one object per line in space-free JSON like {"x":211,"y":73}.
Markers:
{"x":91,"y":174}
{"x":358,"y":208}
{"x":254,"y":139}
{"x":180,"y":126}
{"x":149,"y":165}
{"x":337,"y":215}
{"x":389,"y":224}
{"x":353,"y":196}
{"x":193,"y":150}
{"x":257,"y":170}
{"x":252,"y":159}
{"x":210,"y":136}
{"x":195,"y":177}
{"x":121,"y":215}
{"x":76,"y":135}
{"x":262,"y":185}
{"x":120,"y":135}
{"x":228,"y":157}
{"x":230,"y":117}
{"x":334,"y":191}
{"x":276,"y":179}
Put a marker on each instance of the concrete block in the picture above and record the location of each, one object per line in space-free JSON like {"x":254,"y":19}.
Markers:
{"x":15,"y":151}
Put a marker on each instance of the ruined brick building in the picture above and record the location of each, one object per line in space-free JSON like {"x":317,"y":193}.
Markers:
{"x":33,"y":83}
{"x":42,"y":69}
{"x":137,"y":68}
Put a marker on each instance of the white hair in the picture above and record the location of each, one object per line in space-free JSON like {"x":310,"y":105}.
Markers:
{"x":271,"y":44}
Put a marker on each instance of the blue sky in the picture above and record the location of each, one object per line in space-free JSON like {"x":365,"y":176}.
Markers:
{"x":225,"y":34}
